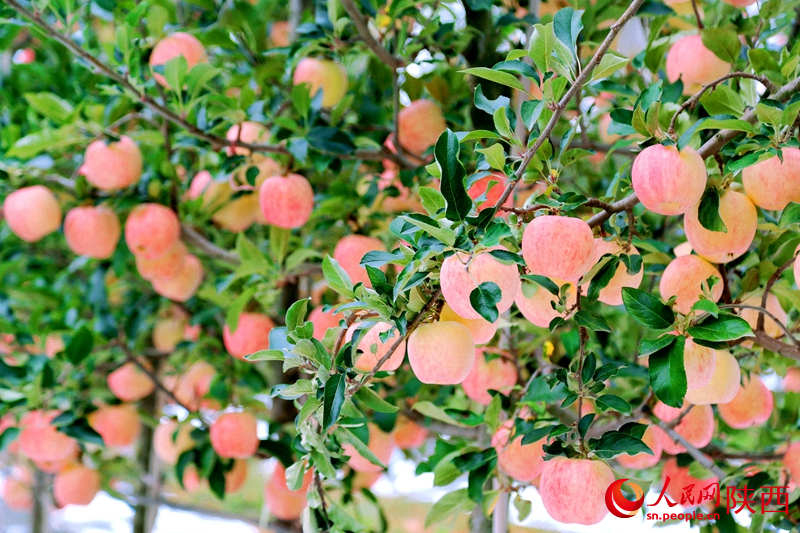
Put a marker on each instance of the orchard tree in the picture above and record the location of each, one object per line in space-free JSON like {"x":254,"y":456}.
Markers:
{"x":550,"y":244}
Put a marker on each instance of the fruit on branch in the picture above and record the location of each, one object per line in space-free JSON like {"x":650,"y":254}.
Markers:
{"x":752,"y":405}
{"x":685,"y":278}
{"x":653,"y":439}
{"x":490,"y":188}
{"x":408,"y":434}
{"x":611,"y":294}
{"x":251,"y":335}
{"x":236,"y":476}
{"x":372,"y":348}
{"x":76,"y":485}
{"x":697,"y":426}
{"x":381,"y":444}
{"x":213,"y":192}
{"x":323,"y":321}
{"x":482,"y":330}
{"x":170,"y":440}
{"x":537,"y":303}
{"x":32,"y":212}
{"x":286,"y":201}
{"x":92,"y":231}
{"x":184,"y":284}
{"x":166,"y":265}
{"x":699,"y":363}
{"x":741,"y":220}
{"x":169,"y":330}
{"x":174,"y":45}
{"x":151,"y":230}
{"x":772,"y":184}
{"x":558,"y":247}
{"x":129,"y":383}
{"x":683,"y":488}
{"x":573,"y":490}
{"x":16,"y":491}
{"x":279,"y":33}
{"x":40,"y":441}
{"x":238,"y":214}
{"x":282,"y":502}
{"x":696,"y":65}
{"x":322,"y":74}
{"x":234,"y":435}
{"x":247,"y":132}
{"x":791,"y":381}
{"x":193,"y":386}
{"x":112,"y":166}
{"x":461,"y":273}
{"x":441,"y":353}
{"x":419,"y":125}
{"x":668,"y":181}
{"x":791,"y":461}
{"x":724,"y":381}
{"x":349,"y":251}
{"x":498,"y":374}
{"x":522,"y":462}
{"x":119,"y":425}
{"x":771,"y":328}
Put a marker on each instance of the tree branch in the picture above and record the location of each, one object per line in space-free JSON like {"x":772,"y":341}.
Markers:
{"x":562,"y":104}
{"x":696,"y":454}
{"x":768,"y":288}
{"x":697,"y":15}
{"x":360,"y":23}
{"x":692,"y":101}
{"x":194,"y":237}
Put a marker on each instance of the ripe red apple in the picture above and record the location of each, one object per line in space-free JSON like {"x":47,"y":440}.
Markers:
{"x":32,"y":212}
{"x":558,"y":247}
{"x":235,"y":435}
{"x":112,"y":166}
{"x":441,"y":353}
{"x":174,"y":45}
{"x":668,"y":181}
{"x":286,"y":201}
{"x":573,"y":490}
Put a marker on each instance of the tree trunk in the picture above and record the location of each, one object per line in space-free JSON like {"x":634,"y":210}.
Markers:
{"x":478,"y":522}
{"x":500,"y":515}
{"x":145,"y":513}
{"x":40,"y":504}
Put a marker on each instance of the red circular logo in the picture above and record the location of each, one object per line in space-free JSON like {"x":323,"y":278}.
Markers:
{"x":618,"y":504}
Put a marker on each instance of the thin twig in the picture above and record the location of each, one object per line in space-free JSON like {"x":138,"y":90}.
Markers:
{"x":360,"y":22}
{"x":562,"y":104}
{"x":768,"y":288}
{"x":692,"y":101}
{"x":697,"y":15}
{"x":763,"y":311}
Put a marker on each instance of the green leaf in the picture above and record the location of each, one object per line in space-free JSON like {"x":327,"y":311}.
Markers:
{"x":333,"y":140}
{"x":667,"y":375}
{"x":708,"y":212}
{"x":484,"y":299}
{"x":716,"y":122}
{"x":591,"y":320}
{"x":444,"y":235}
{"x":502,"y":124}
{"x":790,"y":214}
{"x":603,"y":277}
{"x":723,"y":42}
{"x":334,"y":399}
{"x":497,"y":76}
{"x":495,"y":155}
{"x":610,"y":63}
{"x":369,"y":398}
{"x":337,"y":278}
{"x":296,"y":313}
{"x":452,"y":186}
{"x":347,"y":436}
{"x":614,"y":443}
{"x":544,"y":282}
{"x":610,"y":401}
{"x":8,"y":436}
{"x":432,"y":200}
{"x":45,"y":140}
{"x":266,"y":355}
{"x":432,"y":410}
{"x":723,"y":101}
{"x":79,"y":346}
{"x":567,"y":26}
{"x":449,"y":505}
{"x":236,"y":307}
{"x":647,"y":309}
{"x":50,"y":105}
{"x":724,"y":327}
{"x":707,"y":306}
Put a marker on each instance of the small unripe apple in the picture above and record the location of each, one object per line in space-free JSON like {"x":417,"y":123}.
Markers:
{"x":791,"y":381}
{"x":92,"y":231}
{"x":112,"y":166}
{"x":235,"y":435}
{"x":771,"y":328}
{"x":172,"y":46}
{"x":441,"y":353}
{"x":696,"y":65}
{"x":32,"y":212}
{"x":286,"y":201}
{"x":324,"y":75}
{"x":668,"y":181}
{"x":151,"y":230}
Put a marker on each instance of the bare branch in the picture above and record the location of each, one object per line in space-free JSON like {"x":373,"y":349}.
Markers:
{"x":697,"y":15}
{"x":360,"y":22}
